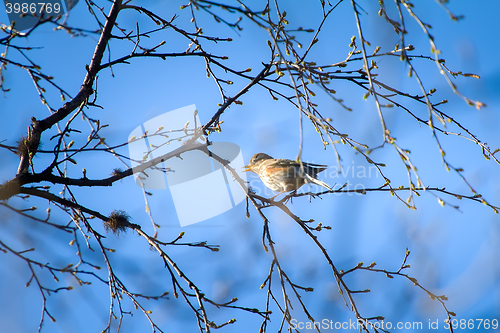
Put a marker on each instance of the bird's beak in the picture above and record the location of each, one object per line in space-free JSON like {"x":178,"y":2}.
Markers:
{"x":247,"y":168}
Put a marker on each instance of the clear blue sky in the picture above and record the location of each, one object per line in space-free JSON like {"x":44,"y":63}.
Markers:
{"x":452,"y":253}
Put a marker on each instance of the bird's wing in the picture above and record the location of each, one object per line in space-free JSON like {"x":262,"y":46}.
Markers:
{"x":281,"y":162}
{"x":285,"y":162}
{"x":313,"y":169}
{"x":316,"y":166}
{"x":309,"y":168}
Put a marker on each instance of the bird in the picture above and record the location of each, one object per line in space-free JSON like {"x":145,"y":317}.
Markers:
{"x":282,"y":175}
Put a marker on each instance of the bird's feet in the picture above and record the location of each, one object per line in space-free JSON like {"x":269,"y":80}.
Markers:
{"x":289,"y":197}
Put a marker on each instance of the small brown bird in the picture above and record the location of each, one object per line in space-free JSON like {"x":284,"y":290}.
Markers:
{"x":283,"y":175}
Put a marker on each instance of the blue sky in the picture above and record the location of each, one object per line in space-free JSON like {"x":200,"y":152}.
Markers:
{"x":452,"y":253}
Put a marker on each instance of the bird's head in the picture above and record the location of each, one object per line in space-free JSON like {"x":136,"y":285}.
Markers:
{"x":256,"y":160}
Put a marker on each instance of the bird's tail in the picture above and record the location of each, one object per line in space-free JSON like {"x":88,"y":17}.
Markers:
{"x":317,"y":182}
